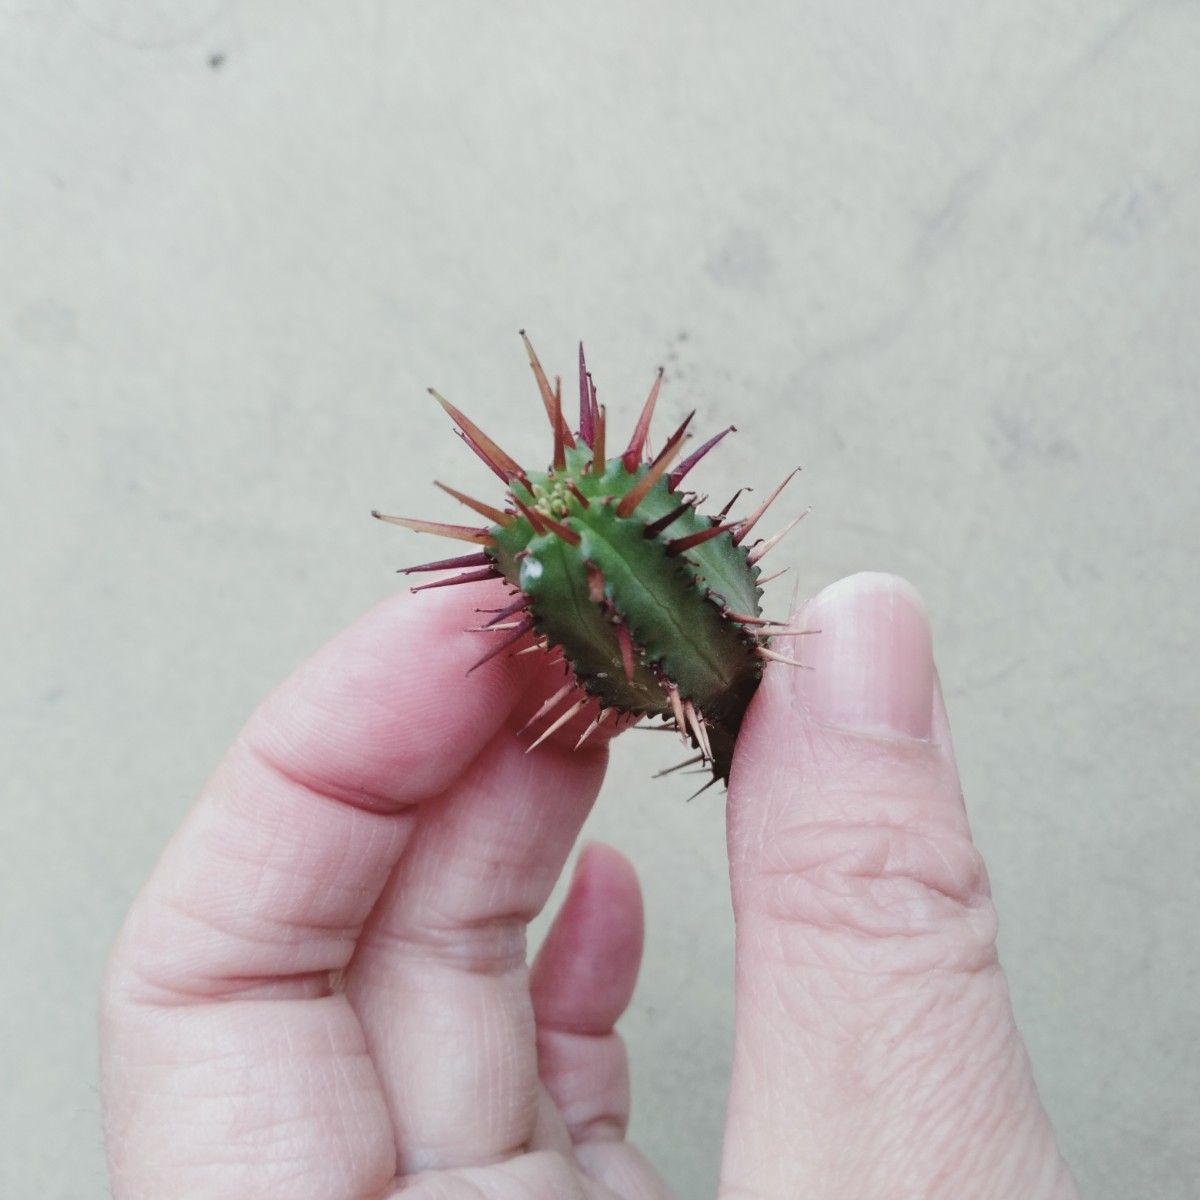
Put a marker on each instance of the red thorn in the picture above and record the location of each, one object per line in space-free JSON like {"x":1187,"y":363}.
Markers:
{"x":512,"y":639}
{"x":558,"y":724}
{"x":504,"y":476}
{"x":592,"y":401}
{"x":446,"y":564}
{"x":560,"y":429}
{"x":637,"y":443}
{"x":587,"y":733}
{"x":749,"y":522}
{"x":534,"y":518}
{"x":469,"y":577}
{"x":556,"y":420}
{"x":763,"y":652}
{"x":548,"y":704}
{"x":495,"y":515}
{"x":763,"y":580}
{"x":679,"y":545}
{"x":565,"y":532}
{"x":696,"y":721}
{"x":516,"y":606}
{"x":583,"y":500}
{"x":677,"y":710}
{"x":687,"y":762}
{"x":462,"y":532}
{"x":701,"y":791}
{"x":732,"y":501}
{"x":598,"y":462}
{"x":693,"y":458}
{"x":658,"y":467}
{"x":656,"y":527}
{"x":587,"y":422}
{"x":625,"y":642}
{"x":757,"y":553}
{"x":479,"y":441}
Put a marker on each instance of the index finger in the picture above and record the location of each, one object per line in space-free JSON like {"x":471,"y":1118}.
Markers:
{"x":266,"y":886}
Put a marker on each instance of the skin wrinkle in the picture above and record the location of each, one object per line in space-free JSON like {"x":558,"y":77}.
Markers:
{"x":593,"y":1081}
{"x":917,"y":1066}
{"x":943,"y":864}
{"x":901,"y":1011}
{"x":865,"y":1140}
{"x":476,"y":1053}
{"x":266,"y":937}
{"x":549,"y":1129}
{"x":508,"y":1074}
{"x":759,"y":839}
{"x":837,"y":913}
{"x":493,"y":946}
{"x":491,"y":940}
{"x":538,"y":1176}
{"x":255,"y":1064}
{"x":879,"y":864}
{"x":244,"y":937}
{"x":280,"y":933}
{"x":330,"y":952}
{"x":485,"y":895}
{"x":280,"y":856}
{"x":234,"y":1098}
{"x":373,"y":803}
{"x":852,"y":779}
{"x":922,"y":1116}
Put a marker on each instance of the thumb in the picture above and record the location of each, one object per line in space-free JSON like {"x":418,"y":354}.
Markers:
{"x":876,"y":1053}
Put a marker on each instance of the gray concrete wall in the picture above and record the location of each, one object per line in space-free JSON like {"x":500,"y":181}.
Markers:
{"x":946,"y":256}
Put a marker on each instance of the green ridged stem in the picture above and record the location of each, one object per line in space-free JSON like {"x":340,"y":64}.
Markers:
{"x":674,"y":605}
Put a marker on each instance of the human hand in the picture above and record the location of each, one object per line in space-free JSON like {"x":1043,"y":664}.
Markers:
{"x":378,"y":824}
{"x":323,"y":988}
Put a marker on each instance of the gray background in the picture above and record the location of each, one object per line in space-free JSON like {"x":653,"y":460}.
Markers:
{"x":946,"y":256}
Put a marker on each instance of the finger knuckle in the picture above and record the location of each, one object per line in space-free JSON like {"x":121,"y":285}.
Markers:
{"x":916,"y":898}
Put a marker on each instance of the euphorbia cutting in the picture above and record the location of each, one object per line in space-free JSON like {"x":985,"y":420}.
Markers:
{"x":653,"y":606}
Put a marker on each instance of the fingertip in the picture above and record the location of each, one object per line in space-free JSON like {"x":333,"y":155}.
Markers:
{"x":584,"y":974}
{"x":608,"y":893}
{"x":387,"y":708}
{"x":859,"y":731}
{"x":602,"y":867}
{"x":872,"y":663}
{"x":866,"y":668}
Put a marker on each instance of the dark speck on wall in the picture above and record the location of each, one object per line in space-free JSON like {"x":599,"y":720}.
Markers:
{"x":216,"y":60}
{"x":743,"y":260}
{"x":672,"y":362}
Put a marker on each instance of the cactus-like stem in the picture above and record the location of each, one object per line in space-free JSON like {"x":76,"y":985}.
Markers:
{"x":654,"y":606}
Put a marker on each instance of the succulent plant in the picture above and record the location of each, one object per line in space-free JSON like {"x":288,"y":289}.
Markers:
{"x":653,"y":607}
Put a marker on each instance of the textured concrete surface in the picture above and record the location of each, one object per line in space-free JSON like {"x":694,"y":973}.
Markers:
{"x":946,"y":256}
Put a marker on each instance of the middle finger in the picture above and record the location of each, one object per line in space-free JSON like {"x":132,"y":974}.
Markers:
{"x":439,"y":978}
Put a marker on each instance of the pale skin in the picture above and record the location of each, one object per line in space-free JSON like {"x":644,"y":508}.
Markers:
{"x":322,"y":993}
